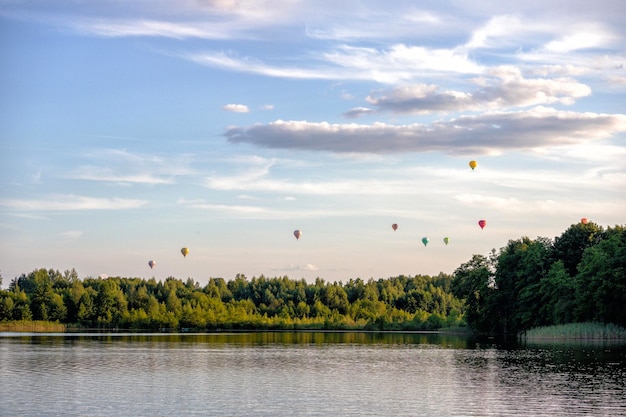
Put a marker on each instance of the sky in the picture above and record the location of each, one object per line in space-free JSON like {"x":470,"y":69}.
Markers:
{"x":130,"y":129}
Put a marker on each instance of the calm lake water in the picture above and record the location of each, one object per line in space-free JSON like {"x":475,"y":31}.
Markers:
{"x":305,"y":374}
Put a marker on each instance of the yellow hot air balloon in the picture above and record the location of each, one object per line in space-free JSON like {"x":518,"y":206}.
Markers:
{"x":184,"y":251}
{"x":473,"y":164}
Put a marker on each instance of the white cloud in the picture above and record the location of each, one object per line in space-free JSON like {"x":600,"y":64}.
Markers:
{"x":236,"y":108}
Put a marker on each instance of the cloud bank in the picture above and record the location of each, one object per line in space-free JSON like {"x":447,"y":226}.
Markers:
{"x":493,"y":132}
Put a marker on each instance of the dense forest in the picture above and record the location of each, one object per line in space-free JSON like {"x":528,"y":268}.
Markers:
{"x":419,"y":302}
{"x":577,"y":277}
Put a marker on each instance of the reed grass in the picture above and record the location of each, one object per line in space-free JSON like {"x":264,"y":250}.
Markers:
{"x":585,"y":331}
{"x":36,"y":326}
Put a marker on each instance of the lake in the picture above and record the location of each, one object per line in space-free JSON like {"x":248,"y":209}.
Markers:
{"x":305,"y":374}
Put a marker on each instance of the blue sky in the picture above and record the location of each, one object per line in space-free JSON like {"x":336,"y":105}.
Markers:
{"x":132,"y":129}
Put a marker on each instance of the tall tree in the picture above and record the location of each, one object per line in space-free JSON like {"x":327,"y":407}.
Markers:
{"x":570,"y":246}
{"x":473,"y":282}
{"x":601,"y":280}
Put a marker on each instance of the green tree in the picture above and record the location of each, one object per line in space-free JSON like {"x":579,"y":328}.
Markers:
{"x":570,"y":246}
{"x":473,"y":282}
{"x":558,"y":296}
{"x":42,"y":295}
{"x":520,"y":267}
{"x":601,"y":280}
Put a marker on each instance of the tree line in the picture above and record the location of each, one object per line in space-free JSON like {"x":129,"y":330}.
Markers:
{"x":579,"y":276}
{"x":402,"y":303}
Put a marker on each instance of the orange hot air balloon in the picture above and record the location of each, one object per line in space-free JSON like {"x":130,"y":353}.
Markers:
{"x":297,"y":234}
{"x":184,"y":251}
{"x":394,"y":227}
{"x":584,"y":220}
{"x":151,"y":264}
{"x":473,"y":164}
{"x":482,"y":223}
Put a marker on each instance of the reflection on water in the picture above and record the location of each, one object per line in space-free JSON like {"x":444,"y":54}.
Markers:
{"x":251,"y":338}
{"x":305,"y":373}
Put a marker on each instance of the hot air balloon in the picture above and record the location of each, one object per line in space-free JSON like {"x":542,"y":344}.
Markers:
{"x":446,"y":240}
{"x":151,"y":264}
{"x":482,"y":223}
{"x":184,"y":251}
{"x":425,"y":241}
{"x":394,"y":227}
{"x":584,"y":220}
{"x":473,"y":164}
{"x":297,"y":233}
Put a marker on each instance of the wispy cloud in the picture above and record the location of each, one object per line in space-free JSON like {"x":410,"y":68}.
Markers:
{"x":124,"y":167}
{"x":71,"y":202}
{"x":105,"y":174}
{"x":393,"y":64}
{"x":153,"y":28}
{"x":480,"y":134}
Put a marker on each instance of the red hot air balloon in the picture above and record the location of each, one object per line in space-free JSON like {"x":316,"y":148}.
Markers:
{"x":584,"y":220}
{"x":482,"y":223}
{"x":297,"y":233}
{"x":394,"y":227}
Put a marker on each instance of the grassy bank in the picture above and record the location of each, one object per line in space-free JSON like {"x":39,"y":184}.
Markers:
{"x":581,"y":331}
{"x":31,"y":326}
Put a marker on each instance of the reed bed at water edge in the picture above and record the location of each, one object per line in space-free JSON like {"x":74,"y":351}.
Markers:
{"x":589,"y":331}
{"x":31,"y":326}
